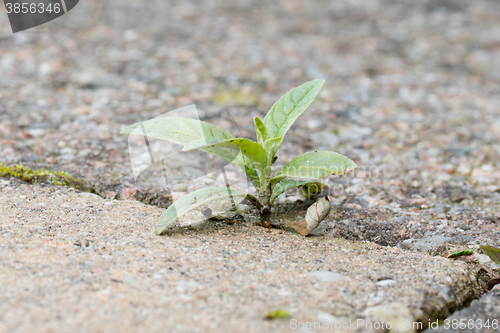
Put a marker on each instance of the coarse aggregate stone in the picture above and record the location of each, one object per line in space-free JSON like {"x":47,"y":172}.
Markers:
{"x":482,"y":316}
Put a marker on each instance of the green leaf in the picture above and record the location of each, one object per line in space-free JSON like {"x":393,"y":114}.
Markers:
{"x":316,"y":165}
{"x":178,"y":130}
{"x":309,"y":190}
{"x":192,"y":201}
{"x":186,"y":130}
{"x":237,"y":158}
{"x":270,"y":144}
{"x":492,"y":252}
{"x":465,"y":252}
{"x":249,"y":148}
{"x":289,"y":107}
{"x":260,"y":130}
{"x":287,"y":184}
{"x":276,"y":179}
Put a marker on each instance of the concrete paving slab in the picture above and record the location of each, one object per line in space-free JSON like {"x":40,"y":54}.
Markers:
{"x":76,"y":262}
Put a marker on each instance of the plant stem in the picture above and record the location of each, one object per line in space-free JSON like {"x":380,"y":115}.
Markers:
{"x":264,"y":197}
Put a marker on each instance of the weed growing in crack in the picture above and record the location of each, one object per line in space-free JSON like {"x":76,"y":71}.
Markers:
{"x":255,"y":158}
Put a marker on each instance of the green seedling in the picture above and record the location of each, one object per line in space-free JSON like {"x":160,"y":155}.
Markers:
{"x":255,"y":158}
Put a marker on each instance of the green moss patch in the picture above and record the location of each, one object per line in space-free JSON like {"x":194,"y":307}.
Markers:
{"x":465,"y":252}
{"x":277,"y":314}
{"x":38,"y":175}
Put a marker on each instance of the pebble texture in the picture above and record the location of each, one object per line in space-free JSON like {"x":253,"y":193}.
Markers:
{"x":483,"y":311}
{"x":76,"y":262}
{"x":411,"y":94}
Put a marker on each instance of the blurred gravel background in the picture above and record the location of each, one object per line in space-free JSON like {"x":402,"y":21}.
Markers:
{"x":411,"y":91}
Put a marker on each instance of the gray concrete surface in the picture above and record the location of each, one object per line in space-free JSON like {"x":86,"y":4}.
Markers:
{"x":76,"y":262}
{"x":411,"y":95}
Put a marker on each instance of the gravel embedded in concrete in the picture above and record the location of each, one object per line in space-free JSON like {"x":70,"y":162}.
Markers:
{"x":482,"y":316}
{"x":76,"y":262}
{"x":411,"y":95}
